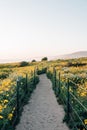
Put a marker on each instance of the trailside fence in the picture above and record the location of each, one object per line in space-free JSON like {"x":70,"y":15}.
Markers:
{"x":66,"y":93}
{"x":11,"y":112}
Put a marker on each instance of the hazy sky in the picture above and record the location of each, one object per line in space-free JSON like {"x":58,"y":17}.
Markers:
{"x":34,"y":28}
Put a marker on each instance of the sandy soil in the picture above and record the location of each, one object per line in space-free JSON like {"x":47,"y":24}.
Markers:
{"x":42,"y":112}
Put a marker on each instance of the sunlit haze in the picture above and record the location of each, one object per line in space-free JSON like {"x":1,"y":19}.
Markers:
{"x":36,"y":28}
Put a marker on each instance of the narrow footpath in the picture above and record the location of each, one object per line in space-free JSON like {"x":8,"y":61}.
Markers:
{"x":42,"y":112}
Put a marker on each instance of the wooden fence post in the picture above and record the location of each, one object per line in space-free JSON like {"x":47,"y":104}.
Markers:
{"x":17,"y":98}
{"x":68,"y":100}
{"x":59,"y":87}
{"x":26,"y":91}
{"x":54,"y":80}
{"x":36,"y":70}
{"x":34,"y":77}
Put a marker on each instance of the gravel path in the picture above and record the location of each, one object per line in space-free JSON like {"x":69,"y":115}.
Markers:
{"x":42,"y":112}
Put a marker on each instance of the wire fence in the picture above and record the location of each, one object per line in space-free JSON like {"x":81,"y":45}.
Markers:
{"x":18,"y":97}
{"x":76,"y":111}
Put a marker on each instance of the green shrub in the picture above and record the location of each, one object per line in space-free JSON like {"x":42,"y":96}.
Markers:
{"x":23,"y":63}
{"x":44,"y":59}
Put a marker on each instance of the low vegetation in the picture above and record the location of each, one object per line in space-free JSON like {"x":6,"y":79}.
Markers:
{"x":69,"y":78}
{"x":44,"y":59}
{"x":27,"y":74}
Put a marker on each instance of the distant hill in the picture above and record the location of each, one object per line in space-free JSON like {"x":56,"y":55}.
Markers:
{"x":66,"y":56}
{"x":76,"y":54}
{"x":71,"y":56}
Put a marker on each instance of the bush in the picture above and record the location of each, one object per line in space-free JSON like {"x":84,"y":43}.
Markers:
{"x":23,"y":63}
{"x":77,"y":64}
{"x":42,"y":71}
{"x":33,"y":60}
{"x":44,"y":59}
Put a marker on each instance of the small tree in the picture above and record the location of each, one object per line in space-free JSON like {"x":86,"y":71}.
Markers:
{"x":33,"y":60}
{"x":23,"y":63}
{"x":44,"y":59}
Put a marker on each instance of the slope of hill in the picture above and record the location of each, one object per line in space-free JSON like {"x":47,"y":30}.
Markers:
{"x":77,"y":54}
{"x":72,"y":55}
{"x":66,"y":56}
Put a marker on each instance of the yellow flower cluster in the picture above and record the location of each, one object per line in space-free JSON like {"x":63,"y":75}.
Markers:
{"x":10,"y":116}
{"x":1,"y":117}
{"x":1,"y":107}
{"x":71,"y":73}
{"x":9,"y":84}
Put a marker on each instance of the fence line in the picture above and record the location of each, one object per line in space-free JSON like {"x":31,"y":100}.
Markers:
{"x":74,"y":108}
{"x":24,"y":87}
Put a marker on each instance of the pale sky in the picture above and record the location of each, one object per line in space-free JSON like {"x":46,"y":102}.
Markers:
{"x":35,"y":28}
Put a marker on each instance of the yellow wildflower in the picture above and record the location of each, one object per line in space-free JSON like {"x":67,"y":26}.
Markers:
{"x":10,"y":116}
{"x":1,"y":117}
{"x":5,"y":101}
{"x":1,"y":107}
{"x":85,"y":121}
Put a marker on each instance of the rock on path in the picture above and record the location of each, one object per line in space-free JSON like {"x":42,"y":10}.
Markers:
{"x":42,"y":112}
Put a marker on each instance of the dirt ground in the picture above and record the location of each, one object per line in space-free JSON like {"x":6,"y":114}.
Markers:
{"x":42,"y":112}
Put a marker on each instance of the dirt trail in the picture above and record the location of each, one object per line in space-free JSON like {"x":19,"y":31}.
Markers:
{"x":42,"y":112}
